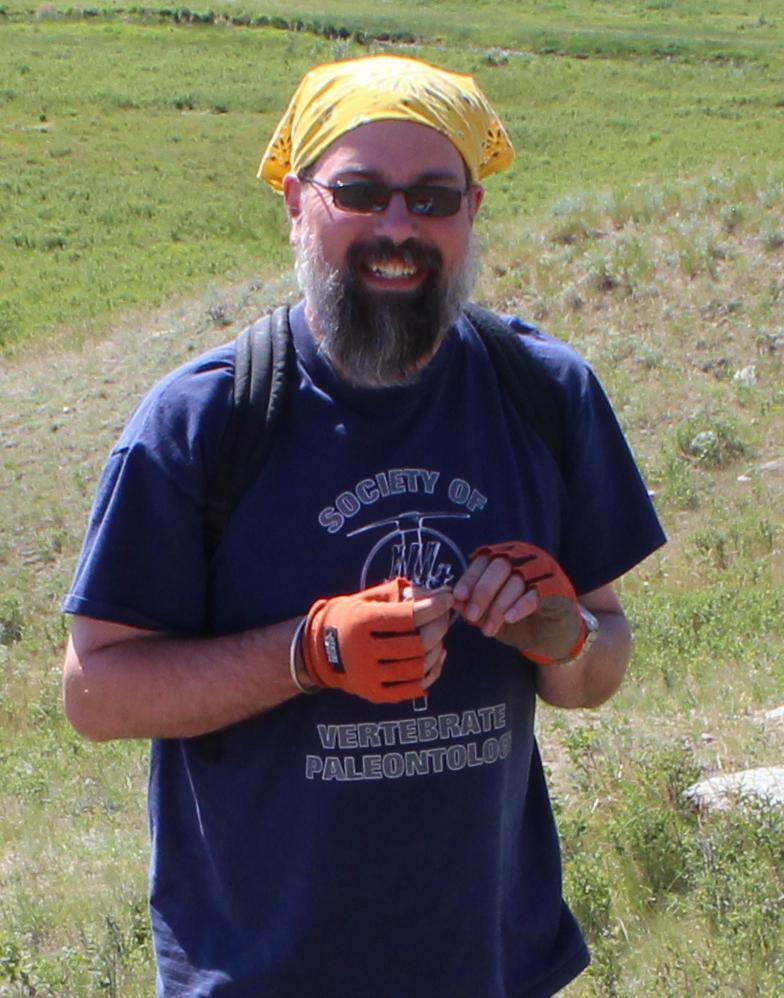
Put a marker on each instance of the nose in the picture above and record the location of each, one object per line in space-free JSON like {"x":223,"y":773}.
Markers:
{"x":396,"y":221}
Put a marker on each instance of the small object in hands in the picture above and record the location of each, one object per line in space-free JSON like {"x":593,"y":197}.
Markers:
{"x":558,"y":609}
{"x":366,"y":643}
{"x":420,"y":703}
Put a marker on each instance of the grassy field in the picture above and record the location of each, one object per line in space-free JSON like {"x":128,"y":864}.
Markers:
{"x":643,"y":222}
{"x":682,"y":28}
{"x":130,"y":145}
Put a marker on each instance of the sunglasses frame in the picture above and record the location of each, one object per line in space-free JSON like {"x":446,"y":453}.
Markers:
{"x":377,"y":208}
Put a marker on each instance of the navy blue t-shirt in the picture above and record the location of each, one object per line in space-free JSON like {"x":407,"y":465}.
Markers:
{"x":332,"y":847}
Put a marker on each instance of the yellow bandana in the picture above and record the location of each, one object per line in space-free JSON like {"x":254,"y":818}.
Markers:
{"x":334,"y":98}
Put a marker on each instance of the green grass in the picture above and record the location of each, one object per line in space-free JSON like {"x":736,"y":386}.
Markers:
{"x":728,"y":29}
{"x":643,"y":223}
{"x":125,"y":188}
{"x":122,"y":189}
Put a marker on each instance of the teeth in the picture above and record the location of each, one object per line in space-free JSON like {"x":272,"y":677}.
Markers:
{"x":392,"y":269}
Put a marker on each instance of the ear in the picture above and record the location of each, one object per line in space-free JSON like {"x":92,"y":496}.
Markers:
{"x":292,"y":195}
{"x":474,"y":197}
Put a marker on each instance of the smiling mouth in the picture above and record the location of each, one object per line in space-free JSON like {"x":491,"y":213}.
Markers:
{"x":391,"y":270}
{"x":382,"y":264}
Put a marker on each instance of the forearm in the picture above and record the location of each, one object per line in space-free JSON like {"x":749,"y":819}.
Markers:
{"x":121,"y":683}
{"x":594,"y":678}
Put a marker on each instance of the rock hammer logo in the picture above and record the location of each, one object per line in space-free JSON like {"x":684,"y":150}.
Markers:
{"x":409,"y":547}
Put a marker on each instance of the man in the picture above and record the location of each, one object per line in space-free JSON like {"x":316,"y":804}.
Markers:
{"x":346,"y":796}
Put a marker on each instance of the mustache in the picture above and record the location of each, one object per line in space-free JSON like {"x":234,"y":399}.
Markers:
{"x":412,"y":252}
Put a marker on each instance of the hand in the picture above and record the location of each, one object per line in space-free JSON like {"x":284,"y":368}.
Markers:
{"x":432,"y":609}
{"x":519,"y":594}
{"x":380,"y":643}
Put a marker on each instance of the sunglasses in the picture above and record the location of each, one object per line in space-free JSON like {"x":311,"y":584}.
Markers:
{"x":367,"y":196}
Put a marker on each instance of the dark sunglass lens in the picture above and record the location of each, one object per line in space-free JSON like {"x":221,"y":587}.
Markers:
{"x":361,"y":197}
{"x":438,"y":202}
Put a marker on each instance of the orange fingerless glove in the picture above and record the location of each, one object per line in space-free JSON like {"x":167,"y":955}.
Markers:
{"x":557,"y":598}
{"x":366,"y":643}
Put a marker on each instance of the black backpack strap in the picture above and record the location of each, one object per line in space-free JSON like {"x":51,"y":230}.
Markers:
{"x":264,"y":356}
{"x":527,"y":382}
{"x":264,"y":359}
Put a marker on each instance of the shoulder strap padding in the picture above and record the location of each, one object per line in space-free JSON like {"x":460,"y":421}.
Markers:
{"x":264,"y":356}
{"x":525,"y":379}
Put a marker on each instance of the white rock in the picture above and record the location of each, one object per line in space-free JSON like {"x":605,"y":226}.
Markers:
{"x":720,"y":792}
{"x":743,"y":479}
{"x":774,"y":716}
{"x":747,"y":375}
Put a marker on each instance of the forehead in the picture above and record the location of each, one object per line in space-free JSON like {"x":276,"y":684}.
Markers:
{"x":399,"y":151}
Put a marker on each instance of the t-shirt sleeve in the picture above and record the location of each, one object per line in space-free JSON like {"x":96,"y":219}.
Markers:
{"x":609,"y":523}
{"x":142,"y":561}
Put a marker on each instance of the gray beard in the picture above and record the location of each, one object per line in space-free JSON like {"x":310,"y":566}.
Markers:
{"x":379,"y":340}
